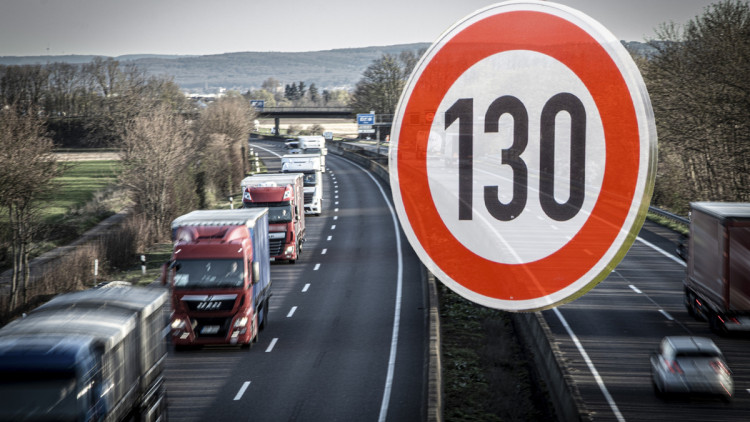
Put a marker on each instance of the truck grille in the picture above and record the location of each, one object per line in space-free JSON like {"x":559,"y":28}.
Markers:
{"x":276,"y":246}
{"x":209,"y":303}
{"x":308,"y":197}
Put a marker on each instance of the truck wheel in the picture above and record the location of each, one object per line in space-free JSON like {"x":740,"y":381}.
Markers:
{"x":690,"y":305}
{"x":263,"y":324}
{"x":716,"y":325}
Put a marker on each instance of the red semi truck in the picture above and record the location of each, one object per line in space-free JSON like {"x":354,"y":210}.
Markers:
{"x":220,"y":276}
{"x":283,"y":195}
{"x":717,"y":286}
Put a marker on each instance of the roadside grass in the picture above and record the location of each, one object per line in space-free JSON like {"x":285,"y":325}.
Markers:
{"x":678,"y":227}
{"x":79,"y":184}
{"x":156,"y":255}
{"x":82,"y":197}
{"x":487,"y":374}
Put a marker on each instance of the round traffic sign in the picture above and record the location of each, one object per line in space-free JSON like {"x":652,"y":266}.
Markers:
{"x":523,"y":155}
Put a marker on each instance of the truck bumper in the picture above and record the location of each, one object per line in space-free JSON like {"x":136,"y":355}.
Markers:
{"x":186,"y":331}
{"x":314,"y":208}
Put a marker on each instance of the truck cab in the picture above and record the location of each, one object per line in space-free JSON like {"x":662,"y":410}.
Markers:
{"x":314,"y":145}
{"x":219,"y":276}
{"x":309,"y":166}
{"x":283,"y":195}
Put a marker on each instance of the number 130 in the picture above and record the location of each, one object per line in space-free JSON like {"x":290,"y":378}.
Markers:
{"x":463,"y":111}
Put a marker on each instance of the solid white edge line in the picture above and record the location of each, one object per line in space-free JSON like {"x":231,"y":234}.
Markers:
{"x":265,"y":149}
{"x":273,"y":343}
{"x":397,"y":310}
{"x":591,"y":366}
{"x":242,"y":390}
{"x":662,"y":251}
{"x":291,"y":312}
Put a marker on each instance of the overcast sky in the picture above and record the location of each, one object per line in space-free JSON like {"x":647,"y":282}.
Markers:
{"x":199,"y":27}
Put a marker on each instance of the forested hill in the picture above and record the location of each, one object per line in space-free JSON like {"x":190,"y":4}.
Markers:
{"x":329,"y":69}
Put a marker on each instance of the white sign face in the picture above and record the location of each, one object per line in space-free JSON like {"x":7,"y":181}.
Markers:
{"x":526,"y":237}
{"x":523,"y":155}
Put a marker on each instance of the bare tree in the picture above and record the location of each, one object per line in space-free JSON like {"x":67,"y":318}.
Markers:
{"x":231,"y":118}
{"x":382,"y":82}
{"x":157,"y":150}
{"x":27,"y":167}
{"x":23,"y":87}
{"x":699,"y":82}
{"x":119,"y":97}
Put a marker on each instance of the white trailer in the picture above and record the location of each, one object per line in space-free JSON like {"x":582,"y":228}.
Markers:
{"x":309,"y":166}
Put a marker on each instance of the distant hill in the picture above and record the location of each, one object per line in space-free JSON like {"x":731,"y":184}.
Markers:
{"x":328,"y":69}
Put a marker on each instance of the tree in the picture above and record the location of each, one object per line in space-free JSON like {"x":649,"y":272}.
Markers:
{"x":313,"y":93}
{"x":699,"y":83}
{"x":27,"y":166}
{"x":225,"y":123}
{"x":157,"y":151}
{"x":382,"y":82}
{"x":271,"y":85}
{"x":291,"y":92}
{"x":119,"y":96}
{"x":23,"y":87}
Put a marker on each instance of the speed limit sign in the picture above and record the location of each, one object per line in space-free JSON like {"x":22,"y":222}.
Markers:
{"x":523,"y":155}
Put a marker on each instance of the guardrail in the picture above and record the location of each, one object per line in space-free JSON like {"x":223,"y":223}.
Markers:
{"x":668,"y":215}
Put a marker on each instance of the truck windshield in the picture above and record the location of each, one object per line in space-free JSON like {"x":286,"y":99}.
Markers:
{"x":310,"y":179}
{"x":35,"y":395}
{"x":280,"y":214}
{"x":276,"y":213}
{"x":209,"y":273}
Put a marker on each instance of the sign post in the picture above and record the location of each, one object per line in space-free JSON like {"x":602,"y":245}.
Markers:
{"x":523,"y":155}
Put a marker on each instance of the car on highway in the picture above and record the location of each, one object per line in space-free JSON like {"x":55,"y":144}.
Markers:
{"x":690,"y":365}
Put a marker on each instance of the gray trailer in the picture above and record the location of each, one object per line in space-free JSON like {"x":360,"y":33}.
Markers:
{"x":90,"y":355}
{"x":717,"y":285}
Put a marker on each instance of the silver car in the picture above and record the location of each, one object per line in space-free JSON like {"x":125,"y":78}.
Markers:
{"x":691,"y":365}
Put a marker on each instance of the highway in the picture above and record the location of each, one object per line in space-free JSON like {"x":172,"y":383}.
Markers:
{"x":606,"y":338}
{"x":331,"y":350}
{"x":347,"y":334}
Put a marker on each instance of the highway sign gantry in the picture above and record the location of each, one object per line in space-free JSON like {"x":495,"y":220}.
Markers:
{"x":523,"y":155}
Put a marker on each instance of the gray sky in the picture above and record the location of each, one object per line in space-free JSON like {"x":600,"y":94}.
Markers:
{"x":117,"y":27}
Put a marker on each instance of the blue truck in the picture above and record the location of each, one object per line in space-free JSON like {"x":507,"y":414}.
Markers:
{"x":92,"y":355}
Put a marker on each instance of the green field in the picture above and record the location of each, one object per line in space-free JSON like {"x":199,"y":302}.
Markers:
{"x":77,"y":186}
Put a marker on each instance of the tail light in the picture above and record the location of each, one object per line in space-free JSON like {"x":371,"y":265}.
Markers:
{"x":673,"y":366}
{"x":720,"y":368}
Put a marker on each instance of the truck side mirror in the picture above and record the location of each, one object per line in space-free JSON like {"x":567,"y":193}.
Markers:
{"x":256,"y":272}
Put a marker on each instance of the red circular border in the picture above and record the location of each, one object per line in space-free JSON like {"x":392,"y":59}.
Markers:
{"x":566,"y":42}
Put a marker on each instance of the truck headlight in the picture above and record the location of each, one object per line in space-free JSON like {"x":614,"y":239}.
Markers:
{"x":178,"y":324}
{"x":241,"y":322}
